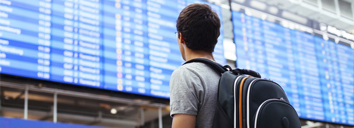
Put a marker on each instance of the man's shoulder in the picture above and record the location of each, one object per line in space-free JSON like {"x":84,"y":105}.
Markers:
{"x":195,"y":68}
{"x":191,"y":67}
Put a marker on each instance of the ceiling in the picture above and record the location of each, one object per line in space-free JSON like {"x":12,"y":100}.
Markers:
{"x":324,"y":11}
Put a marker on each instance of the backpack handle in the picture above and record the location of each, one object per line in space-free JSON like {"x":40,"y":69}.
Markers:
{"x":222,"y":69}
{"x":246,"y":71}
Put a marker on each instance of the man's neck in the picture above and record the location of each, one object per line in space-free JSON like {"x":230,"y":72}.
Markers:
{"x":192,"y":54}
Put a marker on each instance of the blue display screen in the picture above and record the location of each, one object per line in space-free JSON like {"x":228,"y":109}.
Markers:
{"x":123,"y":45}
{"x":316,"y":74}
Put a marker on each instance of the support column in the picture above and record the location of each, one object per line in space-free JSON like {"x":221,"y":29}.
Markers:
{"x":26,"y":104}
{"x":160,"y":117}
{"x":336,"y":4}
{"x":55,"y":107}
{"x":352,"y":10}
{"x":142,"y":119}
{"x":1,"y":95}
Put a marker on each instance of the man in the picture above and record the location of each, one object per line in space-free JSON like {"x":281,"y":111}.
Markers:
{"x":194,"y":86}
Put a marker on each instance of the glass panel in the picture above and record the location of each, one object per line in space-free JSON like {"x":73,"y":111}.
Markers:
{"x":345,"y":9}
{"x":40,"y":106}
{"x":12,"y":102}
{"x":166,"y":122}
{"x":96,"y":112}
{"x":329,"y":5}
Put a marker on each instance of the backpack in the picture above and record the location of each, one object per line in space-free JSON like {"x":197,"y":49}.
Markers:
{"x":245,"y":100}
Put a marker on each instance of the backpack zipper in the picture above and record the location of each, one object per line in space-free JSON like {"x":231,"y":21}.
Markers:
{"x":240,"y":105}
{"x":259,"y":108}
{"x":235,"y":103}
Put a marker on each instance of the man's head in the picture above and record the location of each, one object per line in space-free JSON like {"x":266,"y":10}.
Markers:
{"x":198,"y":28}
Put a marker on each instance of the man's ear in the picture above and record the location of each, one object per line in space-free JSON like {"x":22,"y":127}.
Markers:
{"x":181,"y":38}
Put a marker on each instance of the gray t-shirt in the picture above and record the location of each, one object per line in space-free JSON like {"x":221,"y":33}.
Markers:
{"x":193,"y":89}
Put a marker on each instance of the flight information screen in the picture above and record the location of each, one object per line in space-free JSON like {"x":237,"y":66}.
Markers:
{"x":316,"y":74}
{"x":123,"y":45}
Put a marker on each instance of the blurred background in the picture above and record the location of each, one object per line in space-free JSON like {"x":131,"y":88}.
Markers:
{"x":95,"y":63}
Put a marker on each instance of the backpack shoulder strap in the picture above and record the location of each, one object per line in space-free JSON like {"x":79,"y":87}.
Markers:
{"x":210,"y":63}
{"x":221,"y":69}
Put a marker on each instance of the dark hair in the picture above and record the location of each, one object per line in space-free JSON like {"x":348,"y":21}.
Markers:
{"x":200,"y":27}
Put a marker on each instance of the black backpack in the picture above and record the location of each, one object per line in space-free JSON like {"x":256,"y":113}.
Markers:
{"x":247,"y":101}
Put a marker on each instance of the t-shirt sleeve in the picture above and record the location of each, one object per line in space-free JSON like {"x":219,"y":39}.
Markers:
{"x":185,"y":88}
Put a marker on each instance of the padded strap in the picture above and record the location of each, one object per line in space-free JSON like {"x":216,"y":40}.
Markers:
{"x":222,"y":69}
{"x":212,"y":64}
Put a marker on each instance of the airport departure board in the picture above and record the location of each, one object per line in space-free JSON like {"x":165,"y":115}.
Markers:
{"x":122,"y":45}
{"x":316,"y":74}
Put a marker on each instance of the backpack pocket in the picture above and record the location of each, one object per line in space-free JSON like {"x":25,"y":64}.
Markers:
{"x":276,"y":113}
